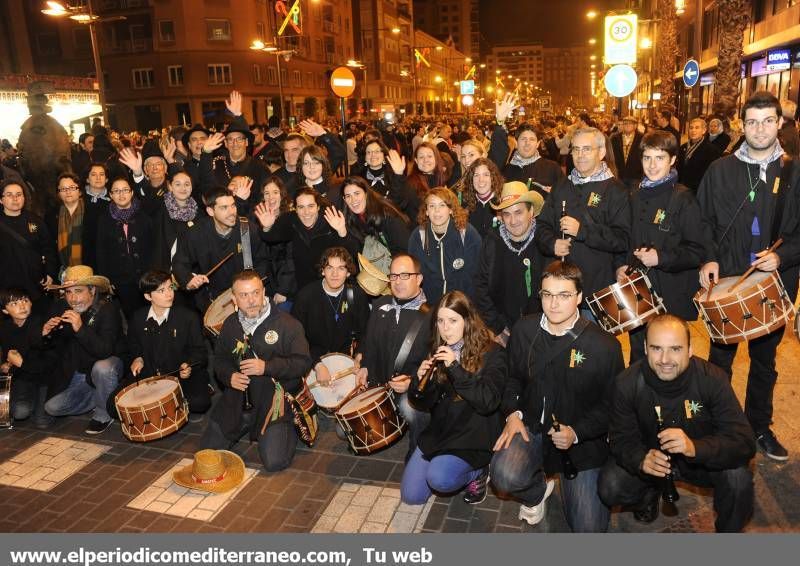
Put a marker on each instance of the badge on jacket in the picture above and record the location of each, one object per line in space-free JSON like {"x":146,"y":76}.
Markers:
{"x":661,"y":214}
{"x":691,"y":408}
{"x":458,"y":263}
{"x":594,"y":199}
{"x":33,"y":227}
{"x":271,"y":337}
{"x":576,"y":358}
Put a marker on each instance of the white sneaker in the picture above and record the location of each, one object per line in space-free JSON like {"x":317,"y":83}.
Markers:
{"x":534,"y":515}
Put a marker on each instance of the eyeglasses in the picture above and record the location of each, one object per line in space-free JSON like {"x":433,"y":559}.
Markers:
{"x":375,"y":152}
{"x":766,"y":122}
{"x":310,"y":163}
{"x":69,"y":189}
{"x":403,"y":276}
{"x":561,"y":297}
{"x":121,"y":191}
{"x":583,"y":150}
{"x":235,"y":140}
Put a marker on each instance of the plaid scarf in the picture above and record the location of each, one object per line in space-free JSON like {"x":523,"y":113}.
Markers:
{"x":70,"y":227}
{"x":742,"y":154}
{"x":412,"y":305}
{"x":249,"y":325}
{"x":671,"y":177}
{"x":520,"y":161}
{"x":602,"y":174}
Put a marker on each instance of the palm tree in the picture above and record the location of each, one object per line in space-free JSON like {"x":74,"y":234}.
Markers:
{"x":667,"y":49}
{"x":734,"y":19}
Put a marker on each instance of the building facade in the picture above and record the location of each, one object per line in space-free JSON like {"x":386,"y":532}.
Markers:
{"x":567,"y":76}
{"x":456,"y":19}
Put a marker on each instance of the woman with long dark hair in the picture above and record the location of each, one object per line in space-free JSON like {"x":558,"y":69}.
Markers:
{"x":429,"y":170}
{"x":384,"y":170}
{"x":280,"y":284}
{"x":461,"y":384}
{"x":446,"y":245}
{"x":483,"y":182}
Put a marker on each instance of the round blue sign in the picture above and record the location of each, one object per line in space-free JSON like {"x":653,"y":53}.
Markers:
{"x":620,"y":80}
{"x":691,"y":73}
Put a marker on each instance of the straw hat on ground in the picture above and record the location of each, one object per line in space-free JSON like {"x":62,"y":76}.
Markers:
{"x":83,"y":275}
{"x":371,"y":279}
{"x":515,"y":192}
{"x":215,"y":471}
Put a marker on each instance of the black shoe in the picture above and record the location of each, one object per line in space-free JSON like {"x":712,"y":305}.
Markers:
{"x":97,"y":427}
{"x":646,"y":511}
{"x":44,"y":421}
{"x":475,"y":492}
{"x":771,"y":447}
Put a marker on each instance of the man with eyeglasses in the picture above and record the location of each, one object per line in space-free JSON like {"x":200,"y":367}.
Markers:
{"x":558,"y":404}
{"x":164,"y":338}
{"x":587,"y":217}
{"x":524,"y":164}
{"x":749,"y":199}
{"x":27,"y":255}
{"x":403,"y":316}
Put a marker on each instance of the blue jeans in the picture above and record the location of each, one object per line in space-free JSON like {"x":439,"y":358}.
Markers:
{"x":517,"y":470}
{"x":417,"y":421}
{"x":443,"y":474}
{"x":80,"y":397}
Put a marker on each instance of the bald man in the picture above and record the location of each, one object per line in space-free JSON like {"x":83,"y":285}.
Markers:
{"x":706,"y":441}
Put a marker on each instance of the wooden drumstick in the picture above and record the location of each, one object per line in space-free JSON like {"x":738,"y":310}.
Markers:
{"x":747,"y":273}
{"x":712,"y":281}
{"x":336,"y":376}
{"x":223,"y":260}
{"x":173,"y":372}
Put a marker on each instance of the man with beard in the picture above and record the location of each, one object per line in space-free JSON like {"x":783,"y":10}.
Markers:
{"x":704,"y":439}
{"x":749,"y":199}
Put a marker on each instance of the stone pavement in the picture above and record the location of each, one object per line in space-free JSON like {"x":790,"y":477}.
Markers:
{"x":62,"y":480}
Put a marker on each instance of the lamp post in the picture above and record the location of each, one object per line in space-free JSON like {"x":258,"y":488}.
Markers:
{"x":259,"y":45}
{"x":363,"y":66}
{"x":85,"y":15}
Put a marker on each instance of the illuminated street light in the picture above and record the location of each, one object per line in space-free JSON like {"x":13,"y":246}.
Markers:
{"x":593,"y":58}
{"x":591,"y":14}
{"x":592,"y":41}
{"x":646,"y":43}
{"x":438,"y":79}
{"x":259,"y":45}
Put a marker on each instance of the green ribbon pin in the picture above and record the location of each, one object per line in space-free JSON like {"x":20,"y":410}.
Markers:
{"x":527,"y":263}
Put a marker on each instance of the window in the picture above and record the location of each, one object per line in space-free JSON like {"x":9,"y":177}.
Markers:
{"x":257,"y":79}
{"x":218,"y":30}
{"x":143,"y":78}
{"x":272,"y":75}
{"x":298,"y":81}
{"x":175,"y":73}
{"x":284,"y":77}
{"x":219,"y":74}
{"x":310,"y":80}
{"x":166,"y":31}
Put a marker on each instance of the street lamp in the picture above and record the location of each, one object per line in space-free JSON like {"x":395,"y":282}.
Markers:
{"x":259,"y":45}
{"x":591,"y":14}
{"x":85,"y":15}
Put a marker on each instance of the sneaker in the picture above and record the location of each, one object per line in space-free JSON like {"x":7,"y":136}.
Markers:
{"x":646,"y":511}
{"x":475,"y":492}
{"x":771,"y":447}
{"x":97,"y":427}
{"x":534,"y":515}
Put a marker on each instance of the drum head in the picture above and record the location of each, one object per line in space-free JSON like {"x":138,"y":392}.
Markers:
{"x":222,"y":307}
{"x":363,"y":400}
{"x":722,"y":288}
{"x":146,"y":392}
{"x":331,"y":395}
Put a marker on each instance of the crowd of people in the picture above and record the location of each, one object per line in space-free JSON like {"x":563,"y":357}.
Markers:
{"x":454,"y":261}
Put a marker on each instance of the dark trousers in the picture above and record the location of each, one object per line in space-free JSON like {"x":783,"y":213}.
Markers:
{"x":733,"y":491}
{"x":276,"y":447}
{"x":760,"y":379}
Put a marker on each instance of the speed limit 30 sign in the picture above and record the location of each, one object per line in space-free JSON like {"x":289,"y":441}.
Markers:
{"x":620,"y":39}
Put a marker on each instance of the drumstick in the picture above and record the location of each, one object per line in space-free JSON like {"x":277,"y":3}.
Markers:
{"x":223,"y":260}
{"x":563,"y":214}
{"x":747,"y":273}
{"x":711,"y":284}
{"x":173,"y":372}
{"x":338,"y":375}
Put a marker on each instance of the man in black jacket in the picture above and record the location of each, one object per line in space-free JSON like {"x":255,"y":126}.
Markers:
{"x":85,"y":330}
{"x":557,"y":401}
{"x":260,"y":355}
{"x":703,"y":437}
{"x":628,"y":153}
{"x":586,"y":218}
{"x":717,"y":135}
{"x":696,"y":155}
{"x":749,"y":199}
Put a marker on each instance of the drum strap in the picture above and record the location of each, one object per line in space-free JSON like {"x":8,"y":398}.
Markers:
{"x":408,"y":341}
{"x":247,"y":252}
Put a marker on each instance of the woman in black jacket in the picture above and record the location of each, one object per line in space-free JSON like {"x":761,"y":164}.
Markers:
{"x":384,"y":171}
{"x":461,"y":385}
{"x":280,"y":284}
{"x":176,"y":213}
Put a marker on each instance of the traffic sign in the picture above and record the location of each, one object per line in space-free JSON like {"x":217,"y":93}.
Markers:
{"x":620,"y":39}
{"x":691,"y":73}
{"x":467,"y":87}
{"x":343,"y":82}
{"x":620,"y":80}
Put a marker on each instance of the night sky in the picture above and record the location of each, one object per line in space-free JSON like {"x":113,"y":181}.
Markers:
{"x":555,"y":23}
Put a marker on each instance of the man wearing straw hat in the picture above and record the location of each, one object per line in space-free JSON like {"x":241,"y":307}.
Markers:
{"x":86,"y":332}
{"x":507,"y":282}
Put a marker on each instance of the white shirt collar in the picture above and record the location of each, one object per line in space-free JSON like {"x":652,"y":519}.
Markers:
{"x":546,"y":326}
{"x":152,"y":314}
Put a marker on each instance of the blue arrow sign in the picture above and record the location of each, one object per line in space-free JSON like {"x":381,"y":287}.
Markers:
{"x":691,"y":73}
{"x":620,"y":80}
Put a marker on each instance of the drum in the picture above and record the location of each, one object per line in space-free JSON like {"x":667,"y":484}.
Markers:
{"x":758,"y":306}
{"x":331,"y":396}
{"x":220,"y":309}
{"x":6,"y":420}
{"x":371,"y":420}
{"x":624,"y":306}
{"x":151,"y":408}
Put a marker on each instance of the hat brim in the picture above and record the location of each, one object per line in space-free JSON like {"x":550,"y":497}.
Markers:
{"x":234,"y":475}
{"x":245,"y":132}
{"x":94,"y":281}
{"x":372,"y":285}
{"x":187,"y":135}
{"x":531,"y":196}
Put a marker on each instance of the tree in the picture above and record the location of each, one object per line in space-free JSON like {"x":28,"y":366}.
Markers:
{"x":667,"y":49}
{"x":310,"y":106}
{"x":727,"y":79}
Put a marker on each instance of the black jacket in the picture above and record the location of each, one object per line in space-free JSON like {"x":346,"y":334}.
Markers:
{"x":721,"y":142}
{"x":392,"y":187}
{"x":166,"y":232}
{"x":37,"y":360}
{"x":25,"y":265}
{"x":571,"y":376}
{"x":691,"y":171}
{"x":667,"y":217}
{"x":287,"y":361}
{"x":543,"y":171}
{"x":124,"y":257}
{"x":603,"y":209}
{"x":630,"y":170}
{"x":700,"y":401}
{"x":484,"y":218}
{"x":465,"y":419}
{"x":91,"y":214}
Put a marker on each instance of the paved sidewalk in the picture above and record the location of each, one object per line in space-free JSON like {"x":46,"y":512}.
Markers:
{"x":62,"y":480}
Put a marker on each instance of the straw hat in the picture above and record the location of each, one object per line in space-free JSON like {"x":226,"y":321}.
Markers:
{"x":371,"y":279}
{"x":515,"y":192}
{"x":215,"y":471}
{"x":83,"y":275}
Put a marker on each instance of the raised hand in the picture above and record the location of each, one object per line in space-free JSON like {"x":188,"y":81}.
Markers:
{"x":505,"y":107}
{"x":214,"y":142}
{"x":396,"y":162}
{"x":131,"y":159}
{"x":265,"y":215}
{"x":234,"y":103}
{"x":311,"y":128}
{"x":168,"y":148}
{"x":241,"y":187}
{"x":336,"y":220}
